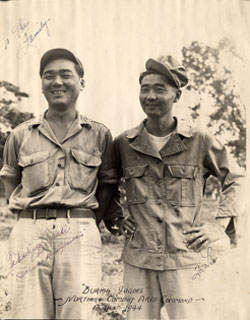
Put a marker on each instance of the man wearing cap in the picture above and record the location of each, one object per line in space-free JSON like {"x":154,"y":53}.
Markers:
{"x":59,"y":175}
{"x":165,"y":164}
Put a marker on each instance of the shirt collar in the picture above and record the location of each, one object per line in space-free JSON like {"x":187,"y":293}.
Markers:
{"x":183,"y":128}
{"x":82,"y":120}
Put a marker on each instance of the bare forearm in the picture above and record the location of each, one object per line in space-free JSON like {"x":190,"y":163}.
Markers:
{"x":103,"y":194}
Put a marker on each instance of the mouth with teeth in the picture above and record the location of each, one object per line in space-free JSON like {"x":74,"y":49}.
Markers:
{"x":151,"y":105}
{"x":58,"y":92}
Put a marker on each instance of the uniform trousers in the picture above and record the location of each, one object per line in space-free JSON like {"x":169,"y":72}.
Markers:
{"x":50,"y":264}
{"x":184,"y":294}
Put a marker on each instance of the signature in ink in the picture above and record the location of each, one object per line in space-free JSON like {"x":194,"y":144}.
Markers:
{"x":29,"y":268}
{"x":34,"y":251}
{"x":37,"y":253}
{"x":200,"y":268}
{"x":66,"y":243}
{"x":16,"y":258}
{"x":56,"y":233}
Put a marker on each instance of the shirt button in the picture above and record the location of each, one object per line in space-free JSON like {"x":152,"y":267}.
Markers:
{"x":159,"y":202}
{"x":177,"y":211}
{"x":57,"y":184}
{"x":59,"y":165}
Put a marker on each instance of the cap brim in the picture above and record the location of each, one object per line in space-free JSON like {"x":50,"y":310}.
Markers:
{"x":58,"y":53}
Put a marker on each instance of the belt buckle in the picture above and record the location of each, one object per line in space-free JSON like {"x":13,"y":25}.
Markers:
{"x":50,"y":213}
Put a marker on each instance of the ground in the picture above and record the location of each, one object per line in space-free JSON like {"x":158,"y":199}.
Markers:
{"x":232,"y":296}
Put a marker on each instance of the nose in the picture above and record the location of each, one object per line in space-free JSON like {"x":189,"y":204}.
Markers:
{"x":151,"y":95}
{"x":57,"y":80}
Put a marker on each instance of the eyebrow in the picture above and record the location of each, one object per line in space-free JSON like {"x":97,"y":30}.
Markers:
{"x":60,"y":70}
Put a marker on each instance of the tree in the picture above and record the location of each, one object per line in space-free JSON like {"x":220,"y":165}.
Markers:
{"x":10,"y":116}
{"x":213,"y":80}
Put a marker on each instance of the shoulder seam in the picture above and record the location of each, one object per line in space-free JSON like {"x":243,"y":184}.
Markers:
{"x":25,"y":123}
{"x":96,"y":122}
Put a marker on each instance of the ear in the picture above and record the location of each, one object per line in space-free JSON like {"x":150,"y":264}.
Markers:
{"x":178,"y":95}
{"x":82,"y":84}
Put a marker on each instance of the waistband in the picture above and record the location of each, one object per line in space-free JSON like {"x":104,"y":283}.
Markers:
{"x":52,"y":213}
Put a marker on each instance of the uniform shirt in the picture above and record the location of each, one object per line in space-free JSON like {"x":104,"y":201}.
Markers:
{"x":52,"y":174}
{"x":164,"y":191}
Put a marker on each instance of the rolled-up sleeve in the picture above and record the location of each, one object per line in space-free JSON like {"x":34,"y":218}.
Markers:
{"x":10,"y":170}
{"x":221,"y":164}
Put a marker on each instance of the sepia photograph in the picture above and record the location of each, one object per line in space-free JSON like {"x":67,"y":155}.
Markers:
{"x":124,"y":183}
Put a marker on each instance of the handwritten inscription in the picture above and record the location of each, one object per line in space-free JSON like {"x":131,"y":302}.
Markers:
{"x":36,"y":255}
{"x":201,"y":268}
{"x":25,"y":34}
{"x":131,"y":298}
{"x":20,"y":27}
{"x":68,"y":242}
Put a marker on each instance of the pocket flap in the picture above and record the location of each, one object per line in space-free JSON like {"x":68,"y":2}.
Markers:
{"x":85,"y":158}
{"x":180,"y":171}
{"x":135,"y":171}
{"x":34,"y":158}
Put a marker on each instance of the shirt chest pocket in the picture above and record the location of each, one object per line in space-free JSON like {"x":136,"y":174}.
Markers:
{"x":83,"y":169}
{"x":136,"y":183}
{"x":35,"y":172}
{"x":182,"y":185}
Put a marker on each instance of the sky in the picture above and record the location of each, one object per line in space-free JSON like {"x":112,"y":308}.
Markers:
{"x":113,"y":39}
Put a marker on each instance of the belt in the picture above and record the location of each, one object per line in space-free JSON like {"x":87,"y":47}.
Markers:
{"x":51,"y":213}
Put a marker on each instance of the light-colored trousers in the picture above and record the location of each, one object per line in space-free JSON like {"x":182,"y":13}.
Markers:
{"x":50,"y":264}
{"x":182,"y":296}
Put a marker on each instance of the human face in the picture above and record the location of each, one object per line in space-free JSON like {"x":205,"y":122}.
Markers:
{"x":61,"y":84}
{"x":157,"y":96}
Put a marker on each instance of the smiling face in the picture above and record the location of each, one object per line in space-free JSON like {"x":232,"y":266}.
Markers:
{"x":61,"y":84}
{"x":157,"y":96}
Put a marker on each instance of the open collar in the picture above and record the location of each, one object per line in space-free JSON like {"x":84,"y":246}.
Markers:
{"x":183,"y":128}
{"x":140,"y":141}
{"x":82,"y":120}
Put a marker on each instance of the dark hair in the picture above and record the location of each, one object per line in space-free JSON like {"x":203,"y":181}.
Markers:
{"x":61,"y":53}
{"x":78,"y":70}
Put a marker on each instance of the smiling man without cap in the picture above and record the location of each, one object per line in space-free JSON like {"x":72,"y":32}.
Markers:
{"x":59,"y":175}
{"x":165,"y":164}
